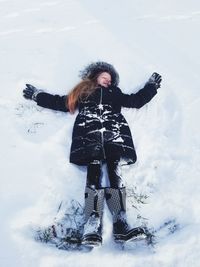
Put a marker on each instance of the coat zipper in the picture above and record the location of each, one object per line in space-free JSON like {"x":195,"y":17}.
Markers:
{"x":102,"y":138}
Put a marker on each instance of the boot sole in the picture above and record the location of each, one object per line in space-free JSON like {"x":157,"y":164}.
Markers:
{"x":132,"y":235}
{"x":92,"y":240}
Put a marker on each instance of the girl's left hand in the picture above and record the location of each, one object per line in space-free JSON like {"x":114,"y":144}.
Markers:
{"x":155,"y":79}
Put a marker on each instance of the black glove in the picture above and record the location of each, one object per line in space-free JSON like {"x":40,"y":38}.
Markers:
{"x":155,"y":79}
{"x":30,"y":92}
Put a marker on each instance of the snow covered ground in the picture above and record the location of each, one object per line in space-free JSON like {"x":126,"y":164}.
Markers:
{"x":46,"y":43}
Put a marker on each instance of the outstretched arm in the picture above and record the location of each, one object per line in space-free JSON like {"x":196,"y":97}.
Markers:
{"x":144,"y":95}
{"x":45,"y":100}
{"x":50,"y":101}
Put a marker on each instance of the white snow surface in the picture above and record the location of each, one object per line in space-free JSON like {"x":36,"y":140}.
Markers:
{"x":46,"y":43}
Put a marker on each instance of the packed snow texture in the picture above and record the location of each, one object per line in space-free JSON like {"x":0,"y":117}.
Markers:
{"x":46,"y":43}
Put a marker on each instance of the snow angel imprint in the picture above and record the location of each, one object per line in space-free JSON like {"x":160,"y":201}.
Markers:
{"x":101,"y":135}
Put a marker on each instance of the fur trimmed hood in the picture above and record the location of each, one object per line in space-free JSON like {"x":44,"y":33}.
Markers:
{"x":91,"y":70}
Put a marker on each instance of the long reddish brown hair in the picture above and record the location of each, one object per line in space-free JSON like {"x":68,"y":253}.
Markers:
{"x":81,"y":91}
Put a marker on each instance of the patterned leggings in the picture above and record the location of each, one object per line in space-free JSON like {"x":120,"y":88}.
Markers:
{"x":94,"y":174}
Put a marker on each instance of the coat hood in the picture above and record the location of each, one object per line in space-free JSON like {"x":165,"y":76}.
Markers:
{"x":91,"y":70}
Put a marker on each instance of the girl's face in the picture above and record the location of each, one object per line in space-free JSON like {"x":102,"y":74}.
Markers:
{"x":104,"y":79}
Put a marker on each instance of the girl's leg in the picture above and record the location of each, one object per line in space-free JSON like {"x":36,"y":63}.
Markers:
{"x":116,"y":193}
{"x":94,"y":202}
{"x":116,"y":201}
{"x":94,"y":174}
{"x":114,"y":174}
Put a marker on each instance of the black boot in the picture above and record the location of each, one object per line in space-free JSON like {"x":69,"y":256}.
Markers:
{"x":92,"y":233}
{"x":116,"y":200}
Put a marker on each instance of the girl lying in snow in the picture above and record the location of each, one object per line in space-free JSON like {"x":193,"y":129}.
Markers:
{"x":100,"y":136}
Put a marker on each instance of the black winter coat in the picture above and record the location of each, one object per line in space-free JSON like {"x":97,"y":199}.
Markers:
{"x":100,"y":130}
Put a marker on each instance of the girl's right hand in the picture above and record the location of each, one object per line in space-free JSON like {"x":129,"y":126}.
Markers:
{"x":30,"y":92}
